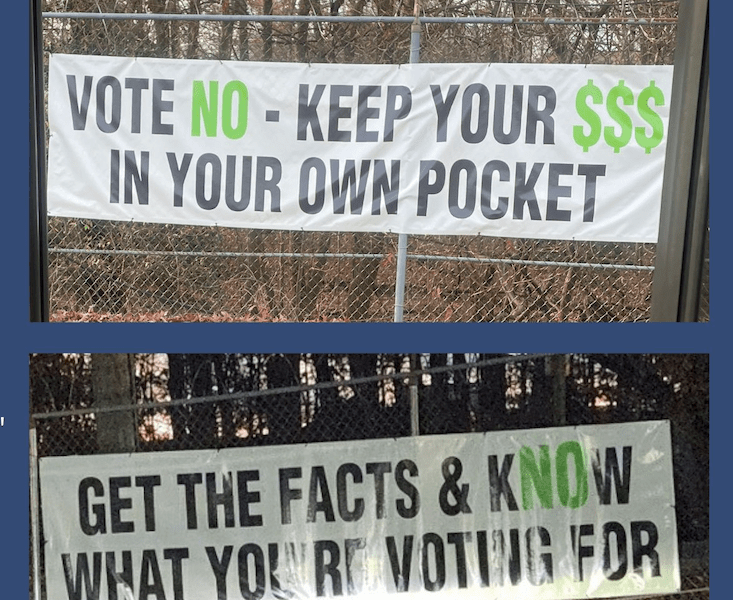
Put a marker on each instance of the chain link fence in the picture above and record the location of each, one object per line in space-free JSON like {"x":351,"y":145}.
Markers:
{"x":225,"y":401}
{"x":142,"y":272}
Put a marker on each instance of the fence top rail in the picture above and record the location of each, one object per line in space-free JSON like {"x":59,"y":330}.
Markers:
{"x":415,"y":373}
{"x":348,"y":255}
{"x":465,"y":20}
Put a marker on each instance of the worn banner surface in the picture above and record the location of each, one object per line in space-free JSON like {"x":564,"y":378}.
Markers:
{"x":548,"y":513}
{"x":570,"y":152}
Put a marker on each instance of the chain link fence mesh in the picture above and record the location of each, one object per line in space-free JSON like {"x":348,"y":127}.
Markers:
{"x":225,"y":401}
{"x":142,"y":272}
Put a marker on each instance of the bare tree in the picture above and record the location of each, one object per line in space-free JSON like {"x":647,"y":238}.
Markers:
{"x":113,"y":385}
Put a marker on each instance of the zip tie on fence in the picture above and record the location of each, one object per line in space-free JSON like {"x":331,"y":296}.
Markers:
{"x":362,"y":19}
{"x":293,"y":388}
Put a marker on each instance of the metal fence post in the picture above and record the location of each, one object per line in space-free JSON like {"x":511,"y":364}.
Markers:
{"x":38,"y":251}
{"x":399,"y":303}
{"x":415,"y":395}
{"x":35,"y":509}
{"x":683,"y":218}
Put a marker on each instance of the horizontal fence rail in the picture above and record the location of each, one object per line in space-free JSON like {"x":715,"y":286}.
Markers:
{"x":409,"y":375}
{"x":427,"y":257}
{"x":360,"y":19}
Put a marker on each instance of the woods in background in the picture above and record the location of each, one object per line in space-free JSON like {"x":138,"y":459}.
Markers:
{"x":299,"y":398}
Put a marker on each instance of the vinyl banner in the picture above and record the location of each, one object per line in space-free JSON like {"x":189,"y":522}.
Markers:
{"x":548,"y":513}
{"x":562,"y":152}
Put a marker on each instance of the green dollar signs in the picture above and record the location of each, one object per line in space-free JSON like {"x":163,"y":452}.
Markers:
{"x":651,"y":92}
{"x":617,"y":114}
{"x":588,"y":115}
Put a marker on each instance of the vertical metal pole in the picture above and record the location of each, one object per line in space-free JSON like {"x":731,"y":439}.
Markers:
{"x":414,"y":396}
{"x":399,"y":302}
{"x":415,"y":36}
{"x":38,"y":258}
{"x":683,"y":217}
{"x":399,"y":296}
{"x":35,"y":514}
{"x":693,"y":267}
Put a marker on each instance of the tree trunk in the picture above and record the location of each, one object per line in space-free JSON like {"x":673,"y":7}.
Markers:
{"x":267,"y":31}
{"x":491,"y":410}
{"x":194,"y":425}
{"x":113,"y":384}
{"x":283,"y":410}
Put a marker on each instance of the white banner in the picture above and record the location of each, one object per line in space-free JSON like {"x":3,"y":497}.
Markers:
{"x":570,"y":152}
{"x":548,"y":513}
